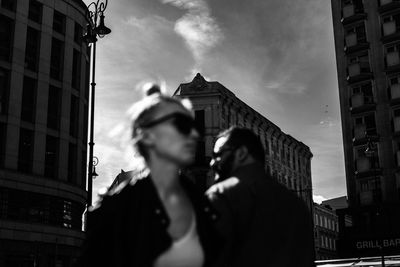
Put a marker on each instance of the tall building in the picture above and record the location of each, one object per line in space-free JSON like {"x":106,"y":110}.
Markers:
{"x":326,"y":232}
{"x":216,"y":109}
{"x":367,"y":43}
{"x":44,"y":69}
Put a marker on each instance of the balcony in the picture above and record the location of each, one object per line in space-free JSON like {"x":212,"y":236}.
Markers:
{"x":358,"y":72}
{"x":395,"y":94}
{"x":353,"y":44}
{"x":388,"y":5}
{"x":392,"y":62}
{"x":352,"y":14}
{"x":389,"y":32}
{"x":366,"y":167}
{"x":396,"y":125}
{"x":361,"y":131}
{"x":361,"y":103}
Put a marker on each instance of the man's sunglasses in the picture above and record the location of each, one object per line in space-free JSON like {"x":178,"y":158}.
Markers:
{"x":221,"y":152}
{"x":182,"y":122}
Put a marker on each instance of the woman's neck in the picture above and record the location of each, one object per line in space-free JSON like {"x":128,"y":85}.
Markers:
{"x":165,"y":177}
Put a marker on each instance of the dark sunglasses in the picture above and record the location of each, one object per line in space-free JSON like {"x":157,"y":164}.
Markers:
{"x":219,"y":154}
{"x":182,"y":122}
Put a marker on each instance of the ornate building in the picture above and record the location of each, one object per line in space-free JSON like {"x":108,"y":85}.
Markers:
{"x":367,"y":43}
{"x":44,"y":67}
{"x":216,"y":108}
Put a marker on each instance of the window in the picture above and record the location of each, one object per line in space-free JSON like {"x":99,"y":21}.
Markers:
{"x":25,"y":152}
{"x":59,"y":22}
{"x":78,"y":33}
{"x":35,"y":11}
{"x":6,"y":36}
{"x":391,"y":24}
{"x":358,"y":32}
{"x":9,"y":4}
{"x":266,"y":146}
{"x":3,"y":134}
{"x":85,"y":123}
{"x":57,"y":59}
{"x":51,"y":157}
{"x":4,"y":90}
{"x":365,"y":90}
{"x":76,"y":70}
{"x":83,"y":169}
{"x":74,"y":116}
{"x":32,"y":49}
{"x":54,"y":108}
{"x":29,"y":100}
{"x":369,"y":122}
{"x":72,"y":160}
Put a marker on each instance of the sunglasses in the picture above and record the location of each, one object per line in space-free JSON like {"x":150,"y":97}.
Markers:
{"x":221,"y":152}
{"x":182,"y":122}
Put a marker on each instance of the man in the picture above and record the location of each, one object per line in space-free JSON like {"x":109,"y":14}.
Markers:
{"x":263,"y":223}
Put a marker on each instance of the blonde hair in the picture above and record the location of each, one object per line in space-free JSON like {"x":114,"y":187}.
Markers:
{"x":143,"y":112}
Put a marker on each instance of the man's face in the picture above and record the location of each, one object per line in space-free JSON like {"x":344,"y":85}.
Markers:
{"x":223,"y":159}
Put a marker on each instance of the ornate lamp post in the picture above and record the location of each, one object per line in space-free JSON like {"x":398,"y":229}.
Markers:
{"x":95,"y":28}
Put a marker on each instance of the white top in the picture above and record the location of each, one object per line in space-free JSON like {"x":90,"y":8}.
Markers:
{"x":185,"y":252}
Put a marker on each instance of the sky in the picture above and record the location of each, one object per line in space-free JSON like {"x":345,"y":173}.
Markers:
{"x":277,"y":56}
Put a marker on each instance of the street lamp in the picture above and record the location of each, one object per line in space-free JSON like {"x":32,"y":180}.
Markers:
{"x":94,"y":28}
{"x":370,"y":153}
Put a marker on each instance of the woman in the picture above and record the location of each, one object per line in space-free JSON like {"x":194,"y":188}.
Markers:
{"x":160,"y":220}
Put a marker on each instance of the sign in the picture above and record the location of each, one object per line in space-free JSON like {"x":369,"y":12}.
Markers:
{"x":369,"y":246}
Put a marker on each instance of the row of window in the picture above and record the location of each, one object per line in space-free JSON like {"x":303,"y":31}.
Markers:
{"x":30,"y":91}
{"x":324,"y":221}
{"x":51,"y":158}
{"x":32,"y":52}
{"x":327,"y":242}
{"x":30,"y":207}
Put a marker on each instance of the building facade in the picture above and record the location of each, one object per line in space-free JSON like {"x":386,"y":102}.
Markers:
{"x":216,"y":109}
{"x":367,"y":43}
{"x":326,"y":232}
{"x":44,"y":71}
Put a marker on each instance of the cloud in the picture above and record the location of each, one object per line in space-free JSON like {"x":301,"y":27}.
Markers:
{"x":197,"y":27}
{"x":318,"y":199}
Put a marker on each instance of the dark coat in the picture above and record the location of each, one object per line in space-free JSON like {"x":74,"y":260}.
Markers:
{"x":129,"y":228}
{"x":265,"y":224}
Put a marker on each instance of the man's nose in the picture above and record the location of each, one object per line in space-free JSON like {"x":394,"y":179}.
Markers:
{"x":212,"y":163}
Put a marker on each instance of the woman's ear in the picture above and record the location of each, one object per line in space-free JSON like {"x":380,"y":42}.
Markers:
{"x":146,"y":137}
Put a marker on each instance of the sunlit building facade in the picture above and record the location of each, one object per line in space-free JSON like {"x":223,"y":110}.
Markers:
{"x":217,"y":108}
{"x":44,"y":67}
{"x":367,"y":43}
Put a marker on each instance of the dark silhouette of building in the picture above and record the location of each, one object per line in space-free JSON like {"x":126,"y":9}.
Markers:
{"x":44,"y":67}
{"x":216,"y":108}
{"x":326,"y":230}
{"x":367,"y":42}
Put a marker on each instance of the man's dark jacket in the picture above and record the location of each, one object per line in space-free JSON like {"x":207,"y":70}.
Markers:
{"x":129,"y":228}
{"x":265,"y":224}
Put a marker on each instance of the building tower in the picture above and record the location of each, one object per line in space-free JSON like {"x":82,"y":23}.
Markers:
{"x":44,"y":67}
{"x":216,"y":109}
{"x":367,"y":43}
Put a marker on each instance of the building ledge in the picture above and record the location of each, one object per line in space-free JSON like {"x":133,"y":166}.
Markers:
{"x":363,"y":108}
{"x":360,"y":77}
{"x":392,"y":69}
{"x":355,"y":17}
{"x":389,"y":7}
{"x":395,"y":102}
{"x":355,"y":48}
{"x":369,"y":173}
{"x":390,"y":38}
{"x":364,"y":140}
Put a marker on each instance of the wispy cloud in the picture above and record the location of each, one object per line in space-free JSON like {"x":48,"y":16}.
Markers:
{"x":197,"y":27}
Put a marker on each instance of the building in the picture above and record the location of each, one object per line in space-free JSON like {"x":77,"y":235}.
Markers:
{"x":336,"y":203}
{"x":326,"y":231}
{"x":44,"y":69}
{"x":367,"y":43}
{"x":216,"y":108}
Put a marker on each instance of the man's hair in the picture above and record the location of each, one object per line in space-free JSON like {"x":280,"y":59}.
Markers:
{"x":238,"y":136}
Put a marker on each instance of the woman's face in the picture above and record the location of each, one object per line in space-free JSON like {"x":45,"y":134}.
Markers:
{"x":172,"y":134}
